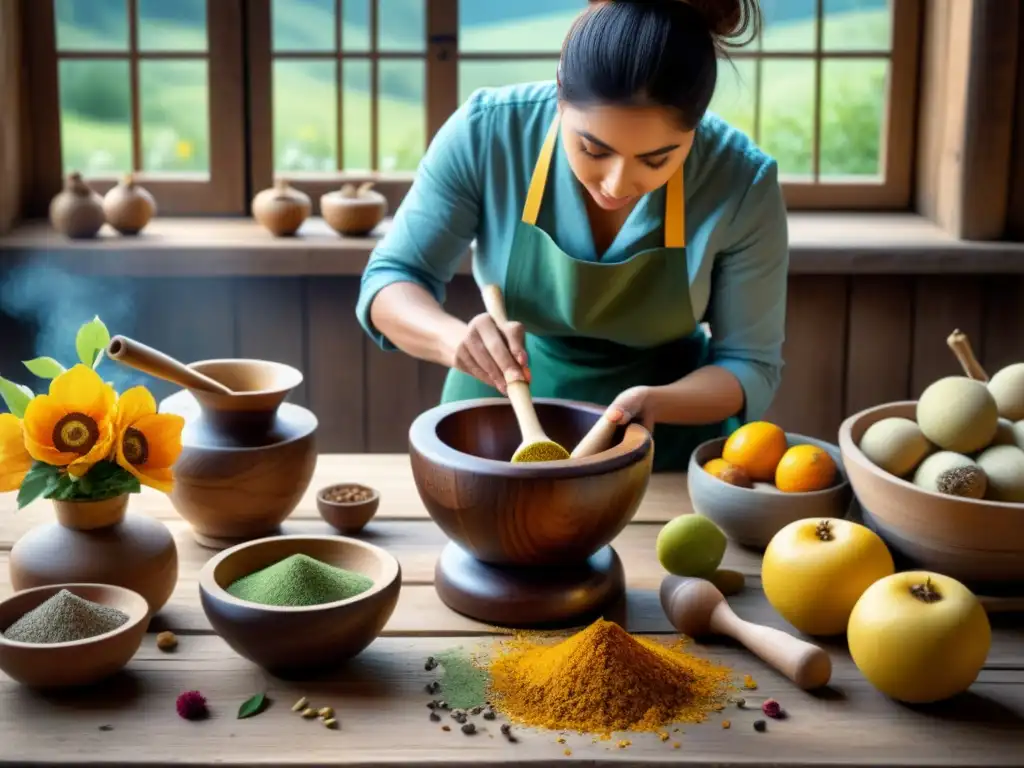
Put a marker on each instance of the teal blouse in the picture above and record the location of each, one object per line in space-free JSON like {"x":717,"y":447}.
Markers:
{"x":472,"y":182}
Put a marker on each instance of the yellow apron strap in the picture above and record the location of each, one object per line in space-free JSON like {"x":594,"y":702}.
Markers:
{"x":675,"y":202}
{"x":535,"y":194}
{"x":675,"y":211}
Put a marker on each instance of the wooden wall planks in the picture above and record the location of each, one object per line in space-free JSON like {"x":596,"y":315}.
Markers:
{"x":851,"y":342}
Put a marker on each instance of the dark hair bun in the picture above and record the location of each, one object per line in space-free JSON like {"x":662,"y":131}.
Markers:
{"x":733,"y":23}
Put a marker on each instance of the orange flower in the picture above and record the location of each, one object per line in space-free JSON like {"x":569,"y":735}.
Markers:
{"x":147,"y":443}
{"x":15,"y":461}
{"x":73,"y":425}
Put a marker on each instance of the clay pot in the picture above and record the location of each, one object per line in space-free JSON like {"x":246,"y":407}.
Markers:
{"x":97,"y":542}
{"x":247,"y":457}
{"x":77,"y":211}
{"x":354,"y":212}
{"x":128,"y":207}
{"x":281,"y":209}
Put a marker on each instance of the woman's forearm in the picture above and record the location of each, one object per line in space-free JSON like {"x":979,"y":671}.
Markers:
{"x":414,"y":322}
{"x":706,"y":396}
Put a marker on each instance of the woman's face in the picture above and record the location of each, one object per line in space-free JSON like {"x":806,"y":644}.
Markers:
{"x":621,"y":153}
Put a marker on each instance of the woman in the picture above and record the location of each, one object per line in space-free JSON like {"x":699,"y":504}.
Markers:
{"x":616,"y":217}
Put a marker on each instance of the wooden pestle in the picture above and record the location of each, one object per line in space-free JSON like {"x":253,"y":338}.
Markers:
{"x":536,"y":445}
{"x":696,"y":607}
{"x":597,"y":439}
{"x":143,"y":358}
{"x":961,"y":346}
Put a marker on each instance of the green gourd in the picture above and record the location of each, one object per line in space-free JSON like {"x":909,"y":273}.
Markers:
{"x":1004,"y":466}
{"x":958,"y":414}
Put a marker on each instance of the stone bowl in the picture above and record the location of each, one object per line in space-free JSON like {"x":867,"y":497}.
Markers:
{"x":752,"y":516}
{"x":247,"y":458}
{"x":542,"y":513}
{"x":79,"y":662}
{"x":976,"y":541}
{"x":347,"y":517}
{"x":292,"y":642}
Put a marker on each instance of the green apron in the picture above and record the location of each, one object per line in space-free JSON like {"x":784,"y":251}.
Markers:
{"x":595,"y":329}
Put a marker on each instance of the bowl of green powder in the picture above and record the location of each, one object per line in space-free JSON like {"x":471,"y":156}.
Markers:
{"x":69,"y":635}
{"x":300,"y":604}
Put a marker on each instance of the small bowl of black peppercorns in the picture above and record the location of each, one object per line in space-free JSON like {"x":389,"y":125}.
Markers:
{"x":347,"y":507}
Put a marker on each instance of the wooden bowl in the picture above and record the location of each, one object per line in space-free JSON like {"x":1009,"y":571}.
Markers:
{"x":532,"y":513}
{"x":291,"y":642}
{"x":247,"y":458}
{"x":977,"y":541}
{"x":752,"y":516}
{"x":80,"y":662}
{"x":348,"y":517}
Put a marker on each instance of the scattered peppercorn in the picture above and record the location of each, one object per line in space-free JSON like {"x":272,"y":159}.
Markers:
{"x":506,"y":731}
{"x":476,"y":710}
{"x":308,"y":713}
{"x":568,"y":752}
{"x":663,"y":736}
{"x":489,"y":714}
{"x":468,"y":728}
{"x":740,"y":702}
{"x":442,"y":704}
{"x":749,"y":682}
{"x":772,"y":708}
{"x":106,"y":727}
{"x":165,"y":641}
{"x":433,"y":686}
{"x":431,"y":664}
{"x":330,"y":722}
{"x":760,"y":726}
{"x":300,"y":705}
{"x":432,"y":704}
{"x":726,"y":724}
{"x":191,"y":705}
{"x":435,"y":717}
{"x":446,"y":727}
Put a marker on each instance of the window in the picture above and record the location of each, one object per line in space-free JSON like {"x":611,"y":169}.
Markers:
{"x":142,"y":86}
{"x":345,"y":90}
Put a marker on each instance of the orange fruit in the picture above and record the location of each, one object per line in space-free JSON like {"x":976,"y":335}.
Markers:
{"x":805,"y":468}
{"x":756,"y":448}
{"x":728,"y":473}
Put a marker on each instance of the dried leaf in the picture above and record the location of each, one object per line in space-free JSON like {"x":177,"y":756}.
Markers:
{"x":252,"y":706}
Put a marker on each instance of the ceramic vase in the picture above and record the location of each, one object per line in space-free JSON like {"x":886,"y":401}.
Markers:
{"x":98,"y":542}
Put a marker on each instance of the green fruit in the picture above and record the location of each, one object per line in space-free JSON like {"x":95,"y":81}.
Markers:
{"x":1004,"y":465}
{"x":896,"y":445}
{"x":691,"y":545}
{"x":1007,"y":387}
{"x":958,"y":414}
{"x":929,"y":471}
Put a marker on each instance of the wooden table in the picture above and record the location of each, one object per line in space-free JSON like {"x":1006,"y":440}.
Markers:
{"x":380,"y":697}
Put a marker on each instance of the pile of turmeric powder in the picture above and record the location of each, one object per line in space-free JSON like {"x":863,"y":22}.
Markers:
{"x":603,"y":679}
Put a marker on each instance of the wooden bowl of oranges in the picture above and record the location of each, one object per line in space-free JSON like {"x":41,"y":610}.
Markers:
{"x":761,"y":478}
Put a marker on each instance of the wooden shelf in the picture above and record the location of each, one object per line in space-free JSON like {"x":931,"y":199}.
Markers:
{"x":820,"y":243}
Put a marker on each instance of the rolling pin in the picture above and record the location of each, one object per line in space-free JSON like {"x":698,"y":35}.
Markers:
{"x":536,"y":445}
{"x":143,"y":358}
{"x":696,"y":607}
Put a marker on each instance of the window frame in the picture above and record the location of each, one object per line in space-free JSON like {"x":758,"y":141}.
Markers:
{"x":223,"y":190}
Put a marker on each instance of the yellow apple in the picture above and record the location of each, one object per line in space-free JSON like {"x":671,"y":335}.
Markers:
{"x":814,"y":570}
{"x":919,"y":637}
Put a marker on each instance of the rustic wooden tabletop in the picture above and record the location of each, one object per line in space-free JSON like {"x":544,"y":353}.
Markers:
{"x":380,"y":697}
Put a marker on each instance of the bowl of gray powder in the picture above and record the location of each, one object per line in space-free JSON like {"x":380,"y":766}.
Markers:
{"x":66,"y":635}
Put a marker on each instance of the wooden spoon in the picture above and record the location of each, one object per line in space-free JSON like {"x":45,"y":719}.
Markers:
{"x":143,"y":358}
{"x":696,"y":607}
{"x":536,"y":445}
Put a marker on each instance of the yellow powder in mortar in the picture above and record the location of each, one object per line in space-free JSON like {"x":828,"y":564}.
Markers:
{"x":540,"y":452}
{"x":603,"y":679}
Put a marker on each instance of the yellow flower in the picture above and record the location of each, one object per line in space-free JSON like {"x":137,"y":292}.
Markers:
{"x":148,"y":443}
{"x":183,"y":149}
{"x":73,"y":425}
{"x":15,"y":461}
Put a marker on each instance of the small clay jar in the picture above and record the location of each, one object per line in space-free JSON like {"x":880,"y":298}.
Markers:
{"x":77,"y":211}
{"x":281,"y":208}
{"x":354,"y":212}
{"x":128,"y":207}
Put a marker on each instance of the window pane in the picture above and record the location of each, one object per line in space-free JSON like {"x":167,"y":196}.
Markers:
{"x":401,"y":25}
{"x":789,"y":25}
{"x":494,"y":27}
{"x":857,"y":25}
{"x":401,"y":115}
{"x":787,"y":113}
{"x":174,"y":106}
{"x":305,"y":116}
{"x":303,"y":25}
{"x":355,"y":26}
{"x":91,"y":25}
{"x":853,"y":99}
{"x":95,"y":116}
{"x":734,"y":94}
{"x":179,"y":25}
{"x":355,"y":115}
{"x":481,"y":74}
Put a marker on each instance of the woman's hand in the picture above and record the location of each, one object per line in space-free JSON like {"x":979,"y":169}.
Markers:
{"x":492,"y":354}
{"x":634,"y":404}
